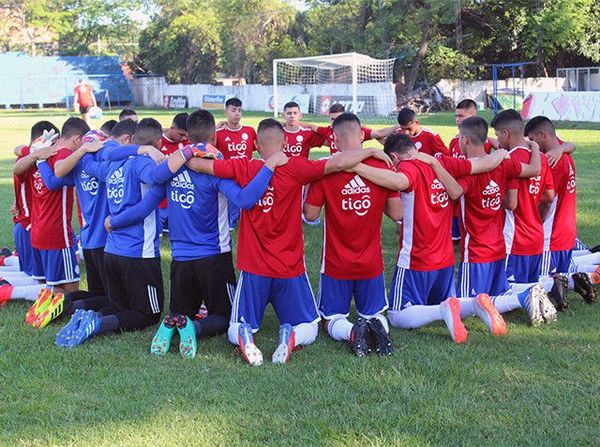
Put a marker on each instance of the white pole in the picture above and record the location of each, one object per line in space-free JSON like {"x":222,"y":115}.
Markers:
{"x":275,"y":91}
{"x":354,"y":84}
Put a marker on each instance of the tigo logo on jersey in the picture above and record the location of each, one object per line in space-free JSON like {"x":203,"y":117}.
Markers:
{"x":491,"y":196}
{"x":240,"y":148}
{"x":88,"y":183}
{"x":267,"y":201}
{"x":439,"y":196}
{"x":571,"y":183}
{"x":186,"y":197}
{"x":115,"y":191}
{"x":361,"y":204}
{"x":38,"y":182}
{"x":293,"y":150}
{"x":534,"y":185}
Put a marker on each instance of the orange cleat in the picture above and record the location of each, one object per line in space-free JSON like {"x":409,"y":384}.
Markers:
{"x":487,"y":312}
{"x":450,"y":310}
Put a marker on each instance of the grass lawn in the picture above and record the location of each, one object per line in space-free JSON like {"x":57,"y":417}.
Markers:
{"x":534,"y":386}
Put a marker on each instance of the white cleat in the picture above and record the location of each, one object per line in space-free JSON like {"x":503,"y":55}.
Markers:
{"x":547,"y":309}
{"x":533,"y":304}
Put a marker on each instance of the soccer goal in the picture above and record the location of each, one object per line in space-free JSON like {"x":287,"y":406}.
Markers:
{"x":362,"y":84}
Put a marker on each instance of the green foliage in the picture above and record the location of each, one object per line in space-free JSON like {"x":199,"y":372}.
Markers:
{"x":447,"y":63}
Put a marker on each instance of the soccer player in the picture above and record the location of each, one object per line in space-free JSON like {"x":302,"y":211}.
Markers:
{"x":425,"y":140}
{"x":367,"y":134}
{"x":560,"y":227}
{"x":107,"y":127}
{"x":233,"y":139}
{"x":270,"y":251}
{"x":298,"y":140}
{"x":352,"y":262}
{"x":202,"y":266}
{"x":465,"y":109}
{"x":84,"y":99}
{"x":483,"y":253}
{"x":131,"y":255}
{"x":128,"y":114}
{"x":423,"y":288}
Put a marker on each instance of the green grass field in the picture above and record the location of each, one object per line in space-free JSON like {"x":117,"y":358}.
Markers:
{"x":536,"y":386}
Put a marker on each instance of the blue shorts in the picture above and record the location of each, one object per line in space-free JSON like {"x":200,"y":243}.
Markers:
{"x":556,"y":262}
{"x":163,"y":214}
{"x":60,"y":266}
{"x":410,"y":287}
{"x":23,"y":244}
{"x":487,"y":277}
{"x":292,"y":299}
{"x":335,"y":296}
{"x":579,"y":245}
{"x":523,"y":269}
{"x":456,"y":228}
{"x":37,"y":266}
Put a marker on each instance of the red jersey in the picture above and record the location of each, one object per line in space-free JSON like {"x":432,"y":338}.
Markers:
{"x":167,"y":147}
{"x":560,"y":227}
{"x":22,"y":195}
{"x":270,"y":241}
{"x":84,"y":94}
{"x":353,"y":213}
{"x":457,"y":153}
{"x":428,"y":141}
{"x":523,"y":231}
{"x":299,"y":142}
{"x":425,"y":242}
{"x":327,"y":132}
{"x":51,"y":211}
{"x":236,"y":143}
{"x":482,"y":214}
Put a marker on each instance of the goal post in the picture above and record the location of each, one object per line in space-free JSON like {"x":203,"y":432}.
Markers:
{"x":364,"y":85}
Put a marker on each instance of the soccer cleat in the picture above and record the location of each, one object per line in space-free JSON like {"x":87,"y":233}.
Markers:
{"x":161,"y":342}
{"x":595,"y":249}
{"x":188,"y":345}
{"x":287,"y":344}
{"x":41,"y":303}
{"x":5,"y":252}
{"x":358,"y":338}
{"x":89,"y":326}
{"x":487,"y":312}
{"x":547,"y":309}
{"x":249,"y":350}
{"x":4,"y":282}
{"x":65,"y":334}
{"x":202,"y":312}
{"x":450,"y":310}
{"x":559,"y":290}
{"x":533,"y":304}
{"x":5,"y":293}
{"x":381,"y":337}
{"x":583,"y":286}
{"x":595,"y":276}
{"x":54,"y":309}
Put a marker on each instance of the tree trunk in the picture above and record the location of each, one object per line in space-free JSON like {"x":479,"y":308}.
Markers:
{"x":414,"y":70}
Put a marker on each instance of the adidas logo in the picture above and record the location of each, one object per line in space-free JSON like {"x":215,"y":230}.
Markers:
{"x":491,"y":189}
{"x":227,"y":139}
{"x":116,"y":177}
{"x":183,"y":180}
{"x":437,"y":185}
{"x":355,"y":186}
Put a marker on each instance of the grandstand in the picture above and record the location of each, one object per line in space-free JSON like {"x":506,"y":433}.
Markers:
{"x":49,"y":81}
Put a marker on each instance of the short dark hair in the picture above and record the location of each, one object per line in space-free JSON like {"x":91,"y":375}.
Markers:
{"x":337,"y":108}
{"x":291,"y":105}
{"x":268,"y":124}
{"x":506,"y":118}
{"x":37,"y":130}
{"x":200,"y":126}
{"x":406,"y":115}
{"x":74,"y":127}
{"x":180,"y":120}
{"x":398,"y":143}
{"x":466,"y":104}
{"x":344,"y":119}
{"x":233,"y":102}
{"x":107,"y":127}
{"x":147,"y":131}
{"x":126,"y":112}
{"x":126,"y":127}
{"x":475,"y":128}
{"x":538,"y":123}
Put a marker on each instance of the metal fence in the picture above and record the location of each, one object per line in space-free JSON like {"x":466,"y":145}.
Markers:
{"x":580,"y":79}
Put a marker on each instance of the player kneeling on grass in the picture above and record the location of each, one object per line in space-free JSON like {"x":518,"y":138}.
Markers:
{"x":132,"y":259}
{"x":352,"y":262}
{"x":270,"y":244}
{"x":202,"y":266}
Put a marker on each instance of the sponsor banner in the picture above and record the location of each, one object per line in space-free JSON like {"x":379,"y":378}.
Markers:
{"x":564,"y":106}
{"x":302,"y":100}
{"x":213,"y":102}
{"x":365,"y":105}
{"x":175,"y":102}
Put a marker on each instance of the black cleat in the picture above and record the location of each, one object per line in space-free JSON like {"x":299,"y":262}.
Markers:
{"x":358,"y":338}
{"x":559,"y":292}
{"x":595,"y":248}
{"x":383,"y":342}
{"x":5,"y":252}
{"x":583,"y":286}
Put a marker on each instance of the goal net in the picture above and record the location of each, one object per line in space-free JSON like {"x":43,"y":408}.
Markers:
{"x":362,"y":84}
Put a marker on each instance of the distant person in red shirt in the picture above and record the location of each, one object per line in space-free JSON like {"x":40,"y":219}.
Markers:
{"x":425,"y":140}
{"x":234,"y":139}
{"x":298,"y":140}
{"x":84,"y":99}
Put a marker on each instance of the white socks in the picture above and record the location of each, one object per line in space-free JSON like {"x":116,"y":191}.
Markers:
{"x":28,"y":293}
{"x":306,"y":333}
{"x":414,"y":317}
{"x":339,"y":329}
